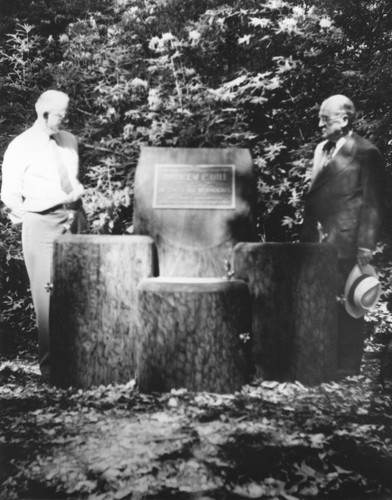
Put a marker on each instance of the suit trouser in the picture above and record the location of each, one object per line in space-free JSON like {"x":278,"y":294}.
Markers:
{"x":351,"y":331}
{"x":38,"y":234}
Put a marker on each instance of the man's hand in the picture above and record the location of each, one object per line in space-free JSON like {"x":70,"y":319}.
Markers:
{"x":16,"y":218}
{"x":364,"y":257}
{"x":75,"y":195}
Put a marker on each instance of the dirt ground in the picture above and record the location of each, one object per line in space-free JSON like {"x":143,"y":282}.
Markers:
{"x":280,"y":441}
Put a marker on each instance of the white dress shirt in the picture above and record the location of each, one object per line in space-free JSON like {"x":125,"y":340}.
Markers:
{"x":320,"y":156}
{"x":31,"y":179}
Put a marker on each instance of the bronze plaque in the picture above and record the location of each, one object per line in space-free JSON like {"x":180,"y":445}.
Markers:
{"x":194,"y":186}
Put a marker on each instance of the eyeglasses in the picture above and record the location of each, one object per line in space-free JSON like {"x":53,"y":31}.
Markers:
{"x":60,"y":116}
{"x":325,"y":120}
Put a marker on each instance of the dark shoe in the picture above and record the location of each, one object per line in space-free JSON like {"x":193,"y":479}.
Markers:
{"x":45,"y":374}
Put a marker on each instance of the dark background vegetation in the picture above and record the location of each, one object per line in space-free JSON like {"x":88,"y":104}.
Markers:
{"x":210,"y":73}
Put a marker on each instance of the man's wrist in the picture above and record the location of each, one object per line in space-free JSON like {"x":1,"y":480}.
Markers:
{"x":74,"y":195}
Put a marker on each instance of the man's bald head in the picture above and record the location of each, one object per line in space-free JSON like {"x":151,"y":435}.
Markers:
{"x":339,"y":105}
{"x":336,"y":116}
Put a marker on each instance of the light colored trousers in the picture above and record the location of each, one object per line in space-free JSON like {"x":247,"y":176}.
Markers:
{"x":38,"y":234}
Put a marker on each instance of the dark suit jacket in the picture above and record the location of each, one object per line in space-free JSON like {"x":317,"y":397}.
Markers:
{"x":345,"y":198}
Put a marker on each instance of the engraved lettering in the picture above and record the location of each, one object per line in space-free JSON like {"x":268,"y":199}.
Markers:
{"x":194,"y":186}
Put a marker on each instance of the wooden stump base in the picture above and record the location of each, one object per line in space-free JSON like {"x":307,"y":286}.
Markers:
{"x":293,"y":291}
{"x":190,"y":334}
{"x":94,"y":312}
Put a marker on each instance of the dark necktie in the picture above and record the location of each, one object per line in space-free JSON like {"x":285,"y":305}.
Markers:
{"x":62,"y":169}
{"x":329,"y":148}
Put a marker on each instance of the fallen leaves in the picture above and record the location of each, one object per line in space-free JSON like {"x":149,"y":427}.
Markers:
{"x":272,"y":440}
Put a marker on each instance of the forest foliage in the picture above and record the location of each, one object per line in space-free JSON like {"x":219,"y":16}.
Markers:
{"x":180,"y":73}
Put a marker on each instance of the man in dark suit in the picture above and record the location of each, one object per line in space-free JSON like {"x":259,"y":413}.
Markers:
{"x":343,"y":207}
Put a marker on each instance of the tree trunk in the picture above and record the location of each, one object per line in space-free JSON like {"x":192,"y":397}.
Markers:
{"x":293,"y":291}
{"x":94,"y":308}
{"x":191,"y":334}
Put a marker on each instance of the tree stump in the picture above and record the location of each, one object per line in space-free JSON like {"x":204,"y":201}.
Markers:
{"x":193,"y":334}
{"x":94,"y":310}
{"x":293,"y":291}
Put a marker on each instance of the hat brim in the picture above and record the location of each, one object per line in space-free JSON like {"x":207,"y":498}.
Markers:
{"x":356,"y":272}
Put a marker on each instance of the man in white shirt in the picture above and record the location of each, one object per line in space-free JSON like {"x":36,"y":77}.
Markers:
{"x":343,"y":207}
{"x":41,"y":190}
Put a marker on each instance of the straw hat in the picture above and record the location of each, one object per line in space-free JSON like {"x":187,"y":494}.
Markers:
{"x":362,"y":291}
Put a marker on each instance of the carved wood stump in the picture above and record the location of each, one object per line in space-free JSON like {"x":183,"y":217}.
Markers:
{"x":293,"y":291}
{"x":94,"y":311}
{"x":191,"y":334}
{"x":194,"y":240}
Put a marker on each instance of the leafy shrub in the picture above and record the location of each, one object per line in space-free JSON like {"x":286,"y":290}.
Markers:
{"x":17,"y":314}
{"x":198,"y":74}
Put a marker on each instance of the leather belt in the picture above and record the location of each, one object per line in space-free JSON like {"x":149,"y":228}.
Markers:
{"x":75,"y":205}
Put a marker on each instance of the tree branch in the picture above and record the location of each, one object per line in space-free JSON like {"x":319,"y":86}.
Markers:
{"x":105,"y":150}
